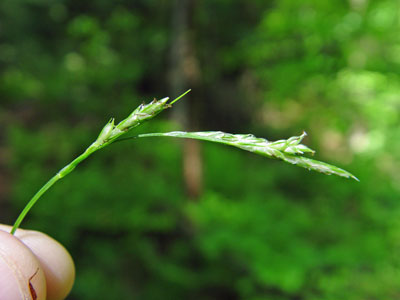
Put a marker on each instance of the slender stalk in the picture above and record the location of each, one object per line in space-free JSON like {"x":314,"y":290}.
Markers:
{"x":62,"y":173}
{"x":109,"y":134}
{"x":32,"y":202}
{"x":179,"y":97}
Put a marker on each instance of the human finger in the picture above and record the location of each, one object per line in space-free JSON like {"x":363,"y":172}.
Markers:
{"x":55,"y":260}
{"x":21,"y":275}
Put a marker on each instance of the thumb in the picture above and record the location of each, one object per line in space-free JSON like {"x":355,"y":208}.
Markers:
{"x":55,"y":261}
{"x":21,"y":276}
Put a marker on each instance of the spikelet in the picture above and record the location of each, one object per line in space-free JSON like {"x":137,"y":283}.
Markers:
{"x":290,"y":150}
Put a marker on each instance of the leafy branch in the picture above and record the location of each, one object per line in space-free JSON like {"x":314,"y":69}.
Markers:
{"x":290,"y":150}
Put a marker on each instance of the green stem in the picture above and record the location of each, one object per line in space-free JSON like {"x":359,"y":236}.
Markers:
{"x":62,"y":173}
{"x":32,"y":202}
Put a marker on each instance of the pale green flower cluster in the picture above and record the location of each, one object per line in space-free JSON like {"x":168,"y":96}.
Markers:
{"x":290,"y":150}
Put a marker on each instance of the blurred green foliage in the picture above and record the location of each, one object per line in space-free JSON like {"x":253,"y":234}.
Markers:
{"x":261,"y":229}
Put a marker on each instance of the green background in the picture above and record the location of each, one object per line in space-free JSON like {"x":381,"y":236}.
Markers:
{"x":258,"y":229}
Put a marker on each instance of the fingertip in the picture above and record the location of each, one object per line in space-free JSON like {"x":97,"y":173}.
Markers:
{"x":21,"y":276}
{"x":9,"y":289}
{"x":55,"y":260}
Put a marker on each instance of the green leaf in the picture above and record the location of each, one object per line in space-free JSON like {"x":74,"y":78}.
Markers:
{"x":290,"y":150}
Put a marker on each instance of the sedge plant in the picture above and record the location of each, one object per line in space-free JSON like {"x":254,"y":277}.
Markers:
{"x":290,"y":150}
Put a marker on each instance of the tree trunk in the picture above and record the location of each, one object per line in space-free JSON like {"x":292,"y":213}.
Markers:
{"x":184,"y":74}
